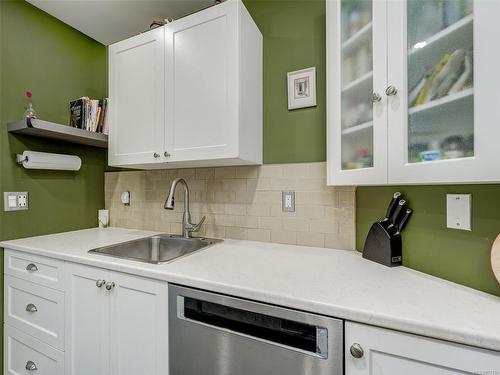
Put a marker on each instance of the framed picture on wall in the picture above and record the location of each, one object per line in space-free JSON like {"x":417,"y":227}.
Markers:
{"x":302,"y":88}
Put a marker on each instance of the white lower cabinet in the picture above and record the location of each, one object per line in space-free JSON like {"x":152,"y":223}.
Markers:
{"x":376,"y":351}
{"x":117,"y":328}
{"x":23,"y":354}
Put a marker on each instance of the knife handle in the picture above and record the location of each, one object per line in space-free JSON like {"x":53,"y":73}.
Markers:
{"x":397,"y":212}
{"x":404,"y":220}
{"x":392,"y":205}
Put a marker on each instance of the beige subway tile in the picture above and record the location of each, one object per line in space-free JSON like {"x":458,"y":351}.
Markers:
{"x":234,"y":184}
{"x":311,"y":184}
{"x":236,"y":209}
{"x":244,"y":197}
{"x":342,"y":242}
{"x":205,"y":173}
{"x":224,"y":196}
{"x":336,"y":212}
{"x":296,"y":224}
{"x":225,"y":172}
{"x":346,"y":199}
{"x":224,"y":220}
{"x":259,"y":209}
{"x":246,"y":221}
{"x":267,"y":197}
{"x":296,"y":170}
{"x":270,"y":222}
{"x":214,"y":185}
{"x":321,"y":198}
{"x":317,"y":169}
{"x":215,"y":231}
{"x":311,"y":239}
{"x":251,"y":184}
{"x":175,"y":228}
{"x":214,"y":208}
{"x":310,"y":211}
{"x":284,"y":236}
{"x":263,"y":235}
{"x":247,"y":172}
{"x":271,"y":170}
{"x":236,"y":233}
{"x":324,"y":226}
{"x":189,"y":173}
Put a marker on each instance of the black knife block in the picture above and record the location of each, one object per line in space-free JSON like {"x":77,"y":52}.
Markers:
{"x":384,"y":245}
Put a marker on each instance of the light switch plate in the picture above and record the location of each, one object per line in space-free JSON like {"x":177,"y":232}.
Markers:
{"x":15,"y":201}
{"x":458,"y":211}
{"x":288,"y":201}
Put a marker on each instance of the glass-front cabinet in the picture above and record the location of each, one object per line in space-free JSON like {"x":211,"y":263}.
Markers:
{"x":413,"y":91}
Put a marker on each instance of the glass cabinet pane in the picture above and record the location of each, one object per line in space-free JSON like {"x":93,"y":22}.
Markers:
{"x":440,"y":80}
{"x":357,"y":84}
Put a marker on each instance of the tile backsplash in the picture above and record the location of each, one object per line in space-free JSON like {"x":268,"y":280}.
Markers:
{"x":240,"y":203}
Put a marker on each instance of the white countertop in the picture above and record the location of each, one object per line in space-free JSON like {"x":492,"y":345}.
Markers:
{"x":337,"y":283}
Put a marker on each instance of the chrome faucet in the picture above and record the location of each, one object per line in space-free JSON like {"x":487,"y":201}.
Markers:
{"x":187,"y":225}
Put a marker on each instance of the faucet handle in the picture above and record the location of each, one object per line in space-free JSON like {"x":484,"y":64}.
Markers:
{"x":196,"y":227}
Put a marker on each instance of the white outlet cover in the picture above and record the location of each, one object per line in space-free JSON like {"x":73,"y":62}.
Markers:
{"x":288,"y":201}
{"x":458,"y":211}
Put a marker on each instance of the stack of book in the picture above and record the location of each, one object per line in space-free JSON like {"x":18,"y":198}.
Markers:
{"x":89,"y":114}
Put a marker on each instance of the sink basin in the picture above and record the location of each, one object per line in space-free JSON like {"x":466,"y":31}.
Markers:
{"x":157,"y":249}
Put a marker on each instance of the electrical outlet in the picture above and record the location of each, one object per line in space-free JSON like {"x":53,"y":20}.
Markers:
{"x":288,"y":201}
{"x":15,"y":201}
{"x":458,"y":211}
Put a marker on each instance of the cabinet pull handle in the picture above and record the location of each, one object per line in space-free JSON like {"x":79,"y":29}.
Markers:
{"x":391,"y":90}
{"x":167,"y":155}
{"x":99,"y":283}
{"x":156,"y":155}
{"x":30,"y":366}
{"x":376,"y":97}
{"x":31,"y":308}
{"x":31,"y":267}
{"x":356,"y":350}
{"x":110,"y":285}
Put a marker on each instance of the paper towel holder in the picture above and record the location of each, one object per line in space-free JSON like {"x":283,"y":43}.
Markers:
{"x":48,"y":161}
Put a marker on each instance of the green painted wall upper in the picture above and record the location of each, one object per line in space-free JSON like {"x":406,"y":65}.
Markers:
{"x":58,"y":64}
{"x":428,"y":246}
{"x":294,"y":38}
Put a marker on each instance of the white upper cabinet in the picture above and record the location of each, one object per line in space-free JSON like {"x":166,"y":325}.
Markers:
{"x":137,"y":99}
{"x":412,"y":91}
{"x":212,"y":78}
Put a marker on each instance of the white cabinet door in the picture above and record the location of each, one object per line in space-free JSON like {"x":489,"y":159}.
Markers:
{"x":138,"y":326}
{"x":202,"y":84}
{"x":136,"y":99}
{"x":87,"y":321}
{"x":357,"y":106}
{"x":443,"y":123}
{"x":389,"y":352}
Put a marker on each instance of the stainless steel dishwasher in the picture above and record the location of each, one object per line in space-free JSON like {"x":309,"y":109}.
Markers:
{"x":212,"y":334}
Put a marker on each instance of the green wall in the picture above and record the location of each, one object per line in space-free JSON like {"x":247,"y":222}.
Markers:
{"x":428,"y":246}
{"x":58,"y":64}
{"x":294,"y":38}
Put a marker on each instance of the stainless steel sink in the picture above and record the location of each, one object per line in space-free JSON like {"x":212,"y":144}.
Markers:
{"x":157,"y":249}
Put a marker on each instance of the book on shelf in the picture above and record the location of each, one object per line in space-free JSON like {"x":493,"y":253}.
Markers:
{"x":89,"y":114}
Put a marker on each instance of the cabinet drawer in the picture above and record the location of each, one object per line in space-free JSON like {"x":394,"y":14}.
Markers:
{"x":40,"y":270}
{"x":36,"y":310}
{"x":22,"y":351}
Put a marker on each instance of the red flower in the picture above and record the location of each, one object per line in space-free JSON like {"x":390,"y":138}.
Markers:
{"x":29,"y":94}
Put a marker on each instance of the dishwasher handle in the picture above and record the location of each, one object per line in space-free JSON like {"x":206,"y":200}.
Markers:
{"x":274,"y":330}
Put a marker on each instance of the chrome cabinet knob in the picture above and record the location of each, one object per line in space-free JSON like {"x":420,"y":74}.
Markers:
{"x":99,"y":283}
{"x":391,"y":90}
{"x":30,"y":366}
{"x":31,"y":308}
{"x":356,"y":350}
{"x":156,"y":155}
{"x":110,"y":285}
{"x":31,"y":267}
{"x":166,"y":154}
{"x":376,"y":97}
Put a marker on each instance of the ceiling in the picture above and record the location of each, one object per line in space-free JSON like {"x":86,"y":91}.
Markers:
{"x":109,"y":21}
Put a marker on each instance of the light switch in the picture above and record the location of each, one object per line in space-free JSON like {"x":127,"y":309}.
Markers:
{"x":15,"y":201}
{"x":458,"y":211}
{"x":12,"y":201}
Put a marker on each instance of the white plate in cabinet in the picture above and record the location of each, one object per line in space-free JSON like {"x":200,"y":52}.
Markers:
{"x":24,"y":354}
{"x":376,"y":351}
{"x":37,"y":269}
{"x":36,"y":310}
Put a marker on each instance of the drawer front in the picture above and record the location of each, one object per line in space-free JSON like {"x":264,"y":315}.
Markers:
{"x":36,"y":310}
{"x":25,"y":355}
{"x":40,"y":270}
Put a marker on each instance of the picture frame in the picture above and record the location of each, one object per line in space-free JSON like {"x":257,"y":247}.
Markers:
{"x":302,"y":88}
